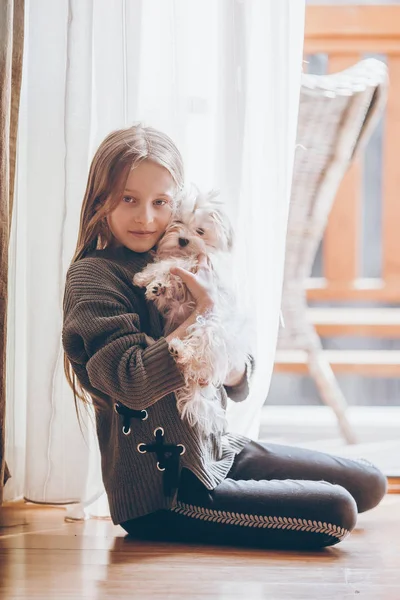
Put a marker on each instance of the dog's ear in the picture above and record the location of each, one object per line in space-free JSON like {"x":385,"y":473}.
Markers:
{"x":221,"y":217}
{"x":216,"y":208}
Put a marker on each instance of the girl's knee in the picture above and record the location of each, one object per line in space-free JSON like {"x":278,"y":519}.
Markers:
{"x":335,"y":516}
{"x":370,"y":486}
{"x":338,"y":518}
{"x":343,"y":511}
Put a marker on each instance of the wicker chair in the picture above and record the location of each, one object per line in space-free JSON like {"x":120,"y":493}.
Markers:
{"x":336,"y":116}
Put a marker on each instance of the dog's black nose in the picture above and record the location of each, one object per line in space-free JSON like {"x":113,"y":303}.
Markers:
{"x":183,"y":242}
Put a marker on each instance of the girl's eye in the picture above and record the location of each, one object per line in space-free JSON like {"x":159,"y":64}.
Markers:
{"x":130,"y":200}
{"x":200,"y":231}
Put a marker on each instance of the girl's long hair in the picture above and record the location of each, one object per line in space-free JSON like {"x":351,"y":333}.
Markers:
{"x":120,"y":152}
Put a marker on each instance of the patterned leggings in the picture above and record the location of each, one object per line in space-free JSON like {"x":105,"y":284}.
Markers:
{"x":273,"y":497}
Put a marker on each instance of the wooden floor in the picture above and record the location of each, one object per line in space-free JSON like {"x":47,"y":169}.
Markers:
{"x":43,"y":557}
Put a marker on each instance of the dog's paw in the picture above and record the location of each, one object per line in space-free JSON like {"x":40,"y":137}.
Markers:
{"x":174,"y":351}
{"x":157,"y":289}
{"x":177,"y":349}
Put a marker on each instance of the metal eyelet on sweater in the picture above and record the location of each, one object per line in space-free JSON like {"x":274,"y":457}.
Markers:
{"x":128,"y":414}
{"x":168,"y":459}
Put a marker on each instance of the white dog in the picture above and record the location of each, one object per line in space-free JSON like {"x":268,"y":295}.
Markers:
{"x":217,"y":342}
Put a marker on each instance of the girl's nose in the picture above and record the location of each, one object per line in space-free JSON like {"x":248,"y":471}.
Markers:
{"x":145,"y":216}
{"x":183,"y":242}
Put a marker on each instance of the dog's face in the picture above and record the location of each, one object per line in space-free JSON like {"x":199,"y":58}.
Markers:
{"x":203,"y":229}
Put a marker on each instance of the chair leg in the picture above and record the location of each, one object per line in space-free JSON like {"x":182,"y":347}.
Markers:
{"x":330,"y":392}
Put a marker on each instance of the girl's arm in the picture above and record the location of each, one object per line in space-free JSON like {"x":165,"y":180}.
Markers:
{"x":200,"y":285}
{"x":102,"y":336}
{"x":236,"y":376}
{"x":181,"y":331}
{"x":239,"y":390}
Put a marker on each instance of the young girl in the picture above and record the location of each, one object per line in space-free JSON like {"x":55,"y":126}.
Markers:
{"x":164,"y":478}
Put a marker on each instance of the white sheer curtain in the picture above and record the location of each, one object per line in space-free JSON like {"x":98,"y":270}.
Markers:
{"x":222,"y":78}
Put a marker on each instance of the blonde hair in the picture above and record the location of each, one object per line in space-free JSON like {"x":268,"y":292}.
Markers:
{"x":120,"y":152}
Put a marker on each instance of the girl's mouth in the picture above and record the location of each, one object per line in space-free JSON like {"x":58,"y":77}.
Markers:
{"x":142,"y":233}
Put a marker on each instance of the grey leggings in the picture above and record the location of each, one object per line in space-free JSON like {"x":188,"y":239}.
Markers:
{"x":273,"y":497}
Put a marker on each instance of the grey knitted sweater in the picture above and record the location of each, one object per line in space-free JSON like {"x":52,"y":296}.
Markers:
{"x":106,"y":330}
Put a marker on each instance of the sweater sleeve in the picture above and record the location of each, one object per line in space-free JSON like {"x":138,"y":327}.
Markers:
{"x":102,"y":333}
{"x":239,"y":392}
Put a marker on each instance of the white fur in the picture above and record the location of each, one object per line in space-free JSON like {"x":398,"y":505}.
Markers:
{"x":216,"y":343}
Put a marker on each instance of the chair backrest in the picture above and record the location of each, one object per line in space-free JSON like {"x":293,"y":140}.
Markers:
{"x":337,"y":113}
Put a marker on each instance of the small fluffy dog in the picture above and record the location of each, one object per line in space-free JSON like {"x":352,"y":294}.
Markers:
{"x":217,"y":342}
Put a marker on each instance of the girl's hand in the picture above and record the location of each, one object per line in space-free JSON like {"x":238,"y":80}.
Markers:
{"x":199,"y":284}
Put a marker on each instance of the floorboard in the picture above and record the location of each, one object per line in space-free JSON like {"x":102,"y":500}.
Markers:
{"x":43,"y":557}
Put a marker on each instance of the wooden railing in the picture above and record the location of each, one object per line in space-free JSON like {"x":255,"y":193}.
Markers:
{"x":345,"y":33}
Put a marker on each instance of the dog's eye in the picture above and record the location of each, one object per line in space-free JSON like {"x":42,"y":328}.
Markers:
{"x":200,"y":231}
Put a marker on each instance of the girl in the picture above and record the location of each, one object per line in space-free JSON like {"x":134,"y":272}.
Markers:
{"x":165,"y":479}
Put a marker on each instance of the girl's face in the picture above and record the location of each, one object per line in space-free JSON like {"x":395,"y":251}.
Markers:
{"x":144,"y":209}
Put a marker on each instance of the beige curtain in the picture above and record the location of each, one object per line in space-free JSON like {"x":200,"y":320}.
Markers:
{"x":11,"y":47}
